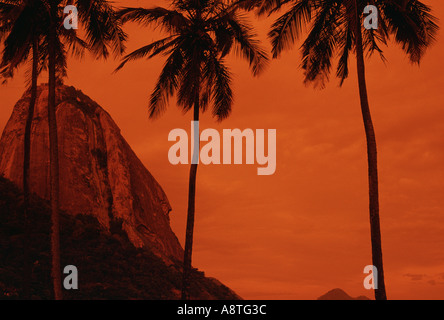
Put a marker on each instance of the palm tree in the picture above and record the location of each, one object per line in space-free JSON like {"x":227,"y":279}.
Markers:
{"x":21,"y":27}
{"x":44,"y":18}
{"x":201,"y":33}
{"x":336,"y":27}
{"x":103,"y":30}
{"x":26,"y":25}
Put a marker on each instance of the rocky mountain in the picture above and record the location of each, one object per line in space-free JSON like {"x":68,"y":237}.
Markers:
{"x":339,"y":294}
{"x":100,"y":175}
{"x":109,"y":265}
{"x":115,"y":223}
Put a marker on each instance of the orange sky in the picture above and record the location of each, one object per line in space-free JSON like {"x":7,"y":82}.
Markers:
{"x":305,"y":229}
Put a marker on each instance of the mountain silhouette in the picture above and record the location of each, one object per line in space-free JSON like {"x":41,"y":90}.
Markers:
{"x":339,"y":294}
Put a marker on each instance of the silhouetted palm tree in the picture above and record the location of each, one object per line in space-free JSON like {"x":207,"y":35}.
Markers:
{"x":201,"y":34}
{"x":335,"y":26}
{"x":21,"y":27}
{"x":103,"y":32}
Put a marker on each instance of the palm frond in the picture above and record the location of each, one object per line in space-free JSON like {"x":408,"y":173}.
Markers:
{"x":346,"y":41}
{"x":103,"y":27}
{"x":157,"y":46}
{"x":75,"y":45}
{"x":201,"y":34}
{"x":171,"y":20}
{"x":167,"y":83}
{"x":247,"y":45}
{"x":191,"y":79}
{"x":319,"y":47}
{"x":413,"y":26}
{"x":287,"y":29}
{"x":222,"y":93}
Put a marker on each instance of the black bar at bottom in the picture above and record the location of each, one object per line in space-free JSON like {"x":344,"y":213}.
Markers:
{"x":220,"y":310}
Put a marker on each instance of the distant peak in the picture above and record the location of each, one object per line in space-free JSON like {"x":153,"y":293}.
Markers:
{"x":339,"y":294}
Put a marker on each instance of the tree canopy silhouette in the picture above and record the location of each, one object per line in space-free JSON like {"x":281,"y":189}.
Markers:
{"x":201,"y":33}
{"x":335,"y":28}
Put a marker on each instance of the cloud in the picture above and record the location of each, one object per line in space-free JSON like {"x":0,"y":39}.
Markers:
{"x":415,"y":277}
{"x":432,"y":280}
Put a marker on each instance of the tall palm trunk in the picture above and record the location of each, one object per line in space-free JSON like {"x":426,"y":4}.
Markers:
{"x":54,"y":158}
{"x":26,"y":170}
{"x":375,"y":230}
{"x":190,"y":216}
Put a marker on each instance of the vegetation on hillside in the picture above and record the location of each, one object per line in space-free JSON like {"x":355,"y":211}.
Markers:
{"x":109,"y":266}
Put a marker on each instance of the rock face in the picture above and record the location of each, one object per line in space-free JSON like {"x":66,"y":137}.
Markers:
{"x":99,"y":173}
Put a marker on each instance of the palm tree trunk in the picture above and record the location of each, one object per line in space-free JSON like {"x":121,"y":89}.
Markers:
{"x":190,"y":217}
{"x":54,"y":159}
{"x":26,"y":170}
{"x":375,"y":230}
